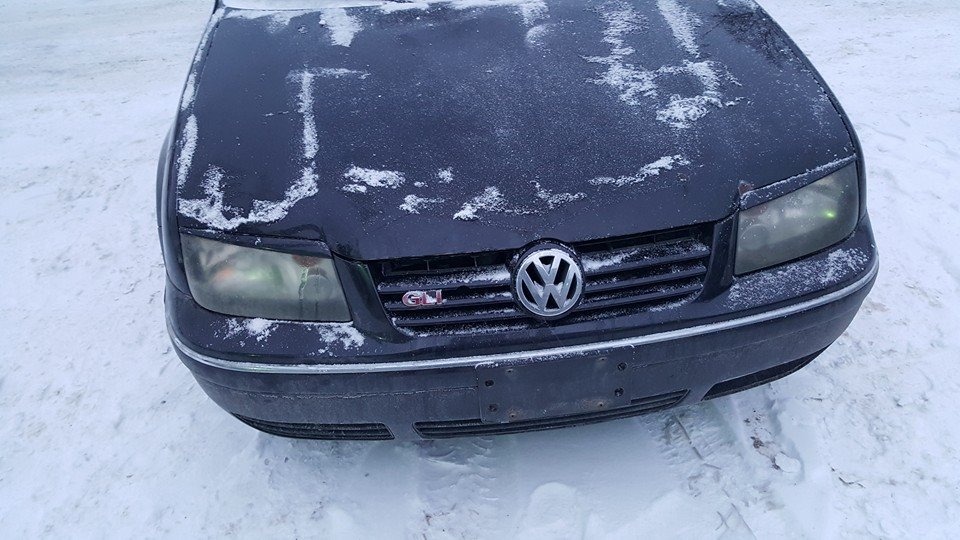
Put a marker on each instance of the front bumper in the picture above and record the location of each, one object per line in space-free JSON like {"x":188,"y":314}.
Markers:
{"x":763,"y":327}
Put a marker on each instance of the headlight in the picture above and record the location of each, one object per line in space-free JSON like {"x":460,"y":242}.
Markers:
{"x":251,"y":282}
{"x":799,"y":223}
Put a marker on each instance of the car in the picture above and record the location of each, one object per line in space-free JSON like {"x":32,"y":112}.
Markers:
{"x":434,"y":219}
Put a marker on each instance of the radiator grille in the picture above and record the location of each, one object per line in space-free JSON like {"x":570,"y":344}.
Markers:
{"x":640,"y":272}
{"x":345,"y":432}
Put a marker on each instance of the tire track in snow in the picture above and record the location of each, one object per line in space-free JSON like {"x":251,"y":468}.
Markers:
{"x":698,"y":446}
{"x":458,"y":489}
{"x":734,"y":455}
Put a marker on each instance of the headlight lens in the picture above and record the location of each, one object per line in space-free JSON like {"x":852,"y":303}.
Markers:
{"x":799,"y":223}
{"x":249,"y":282}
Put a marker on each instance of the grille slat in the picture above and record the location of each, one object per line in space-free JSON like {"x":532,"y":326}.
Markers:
{"x":475,"y":427}
{"x":648,"y":297}
{"x":649,"y":280}
{"x":595,"y":266}
{"x":640,"y":273}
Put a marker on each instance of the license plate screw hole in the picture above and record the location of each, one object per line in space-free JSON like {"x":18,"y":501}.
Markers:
{"x":618,"y":392}
{"x":488,"y":383}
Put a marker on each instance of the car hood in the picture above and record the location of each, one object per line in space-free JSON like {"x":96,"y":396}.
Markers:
{"x":414,"y":129}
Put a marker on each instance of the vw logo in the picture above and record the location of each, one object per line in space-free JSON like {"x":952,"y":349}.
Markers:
{"x":549,"y":282}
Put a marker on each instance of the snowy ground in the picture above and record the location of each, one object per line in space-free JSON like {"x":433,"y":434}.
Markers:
{"x":104,"y":434}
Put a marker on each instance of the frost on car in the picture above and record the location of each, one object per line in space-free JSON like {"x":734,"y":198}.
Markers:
{"x":434,"y":219}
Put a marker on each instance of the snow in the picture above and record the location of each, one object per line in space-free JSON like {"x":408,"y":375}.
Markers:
{"x":638,"y":86}
{"x":339,"y":73}
{"x":361,"y":179}
{"x":809,"y":274}
{"x":341,"y":24}
{"x":214,"y":213}
{"x":413,"y":204}
{"x":491,"y":200}
{"x":103,"y":433}
{"x":682,"y":112}
{"x":632,"y":82}
{"x":188,"y":146}
{"x":258,"y":329}
{"x":556,"y":200}
{"x":311,"y":141}
{"x":536,"y":35}
{"x":682,"y":23}
{"x":340,"y":335}
{"x":666,"y":163}
{"x":445,"y":176}
{"x":279,"y":19}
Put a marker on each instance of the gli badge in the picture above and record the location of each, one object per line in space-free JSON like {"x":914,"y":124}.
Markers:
{"x":423,"y":298}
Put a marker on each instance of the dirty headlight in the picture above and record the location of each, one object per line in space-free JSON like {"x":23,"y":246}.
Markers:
{"x":249,"y":282}
{"x":799,"y":223}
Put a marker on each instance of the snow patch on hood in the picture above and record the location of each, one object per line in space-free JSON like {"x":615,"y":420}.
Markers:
{"x":555,"y":200}
{"x":305,"y":103}
{"x":189,"y":91}
{"x":212,"y":212}
{"x":638,"y":86}
{"x":491,"y":200}
{"x":343,"y":26}
{"x":535,"y":35}
{"x":631,"y":81}
{"x":311,"y":141}
{"x":682,"y":112}
{"x":188,"y":146}
{"x":361,"y":179}
{"x":665,"y":163}
{"x":412,"y":203}
{"x":339,"y":73}
{"x":445,"y":176}
{"x":683,"y":23}
{"x":740,"y":5}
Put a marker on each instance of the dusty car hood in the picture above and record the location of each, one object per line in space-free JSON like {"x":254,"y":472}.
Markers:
{"x":445,"y":128}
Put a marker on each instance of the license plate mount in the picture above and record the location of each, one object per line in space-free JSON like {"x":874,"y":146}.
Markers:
{"x":554,"y":388}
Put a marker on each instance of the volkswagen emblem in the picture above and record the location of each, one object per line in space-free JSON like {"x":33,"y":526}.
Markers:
{"x":549,"y":281}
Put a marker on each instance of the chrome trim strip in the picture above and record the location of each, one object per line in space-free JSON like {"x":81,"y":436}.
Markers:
{"x":468,"y":361}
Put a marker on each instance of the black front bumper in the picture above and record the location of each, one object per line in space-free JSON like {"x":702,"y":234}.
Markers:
{"x":776,"y":321}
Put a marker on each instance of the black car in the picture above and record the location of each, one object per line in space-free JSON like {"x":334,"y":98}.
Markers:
{"x":388,"y":219}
